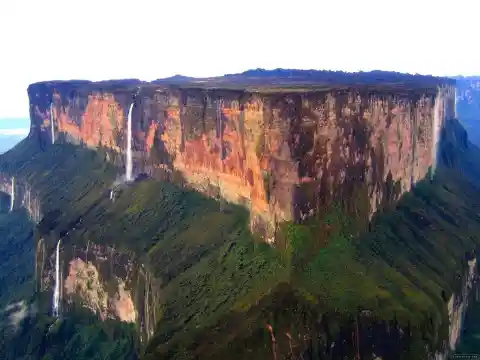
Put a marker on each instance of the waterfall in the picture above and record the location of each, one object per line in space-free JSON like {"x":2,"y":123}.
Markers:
{"x":12,"y":195}
{"x":52,"y":129}
{"x":128,"y":174}
{"x":56,"y":292}
{"x":436,"y":130}
{"x":456,"y":104}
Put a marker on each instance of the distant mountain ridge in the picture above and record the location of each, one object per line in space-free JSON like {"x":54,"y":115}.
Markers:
{"x":468,"y":105}
{"x":14,"y":123}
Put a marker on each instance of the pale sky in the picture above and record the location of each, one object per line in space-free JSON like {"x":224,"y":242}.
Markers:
{"x":149,"y":39}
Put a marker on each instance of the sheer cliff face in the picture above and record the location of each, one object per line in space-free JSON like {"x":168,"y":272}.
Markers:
{"x":24,"y":195}
{"x":284,"y":155}
{"x":458,"y":304}
{"x":108,"y":282}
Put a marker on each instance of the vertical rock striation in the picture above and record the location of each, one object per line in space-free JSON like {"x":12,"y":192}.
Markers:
{"x":24,"y":196}
{"x":284,"y":154}
{"x":110,"y":283}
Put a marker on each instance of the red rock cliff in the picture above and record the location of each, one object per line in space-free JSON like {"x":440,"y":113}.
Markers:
{"x":285,"y":155}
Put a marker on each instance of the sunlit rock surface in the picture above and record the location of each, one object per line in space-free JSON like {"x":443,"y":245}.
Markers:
{"x":107,"y":282}
{"x":284,"y":155}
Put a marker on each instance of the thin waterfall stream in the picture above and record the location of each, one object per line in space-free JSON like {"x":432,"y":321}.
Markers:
{"x":56,"y":292}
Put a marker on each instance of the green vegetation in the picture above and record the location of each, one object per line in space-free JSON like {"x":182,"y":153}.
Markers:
{"x":78,"y":336}
{"x":205,"y":258}
{"x":17,"y":254}
{"x":401,"y":273}
{"x":333,"y":293}
{"x":397,"y":272}
{"x":26,"y":335}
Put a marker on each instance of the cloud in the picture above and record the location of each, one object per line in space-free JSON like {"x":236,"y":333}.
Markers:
{"x":18,"y":311}
{"x":19,"y":132}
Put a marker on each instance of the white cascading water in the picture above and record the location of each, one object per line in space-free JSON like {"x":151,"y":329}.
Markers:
{"x":12,"y":195}
{"x":52,"y":128}
{"x":128,"y":174}
{"x":456,"y":104}
{"x":436,"y":129}
{"x":56,"y":292}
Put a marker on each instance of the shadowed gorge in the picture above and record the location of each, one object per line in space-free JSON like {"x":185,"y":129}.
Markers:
{"x":294,"y":220}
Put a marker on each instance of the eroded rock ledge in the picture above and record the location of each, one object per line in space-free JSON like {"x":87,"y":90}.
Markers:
{"x":110,"y":283}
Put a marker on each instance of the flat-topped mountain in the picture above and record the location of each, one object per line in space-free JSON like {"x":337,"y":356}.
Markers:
{"x":277,"y":214}
{"x":282,"y":148}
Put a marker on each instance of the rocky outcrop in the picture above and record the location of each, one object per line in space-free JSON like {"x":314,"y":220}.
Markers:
{"x":22,"y":194}
{"x":458,"y":304}
{"x":284,"y":154}
{"x":110,"y":283}
{"x":457,"y":309}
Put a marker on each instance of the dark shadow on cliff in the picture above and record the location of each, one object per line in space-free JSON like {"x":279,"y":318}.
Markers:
{"x":17,"y":252}
{"x":469,"y":343}
{"x":384,"y":293}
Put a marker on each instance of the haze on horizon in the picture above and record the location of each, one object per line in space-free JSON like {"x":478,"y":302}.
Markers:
{"x":149,"y":39}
